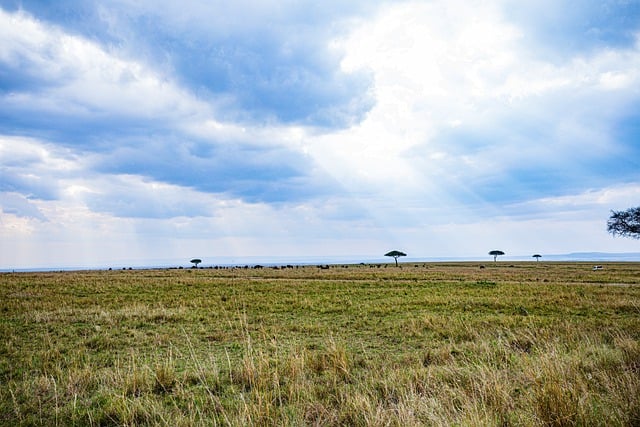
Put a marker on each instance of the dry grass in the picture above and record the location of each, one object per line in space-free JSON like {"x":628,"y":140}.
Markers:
{"x":428,"y":344}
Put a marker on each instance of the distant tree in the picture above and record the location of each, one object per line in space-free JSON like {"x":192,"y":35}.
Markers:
{"x":625,"y":223}
{"x":195,"y":262}
{"x":395,"y":255}
{"x":496,"y":254}
{"x":537,"y":257}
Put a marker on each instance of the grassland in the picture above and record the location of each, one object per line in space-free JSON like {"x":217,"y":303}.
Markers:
{"x":425,"y":344}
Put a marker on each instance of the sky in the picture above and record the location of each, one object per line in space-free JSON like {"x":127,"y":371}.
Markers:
{"x":133,"y":131}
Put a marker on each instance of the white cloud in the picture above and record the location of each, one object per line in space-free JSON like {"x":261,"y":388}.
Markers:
{"x":81,"y":78}
{"x":34,"y":168}
{"x":19,"y":207}
{"x":439,"y":66}
{"x":596,"y":201}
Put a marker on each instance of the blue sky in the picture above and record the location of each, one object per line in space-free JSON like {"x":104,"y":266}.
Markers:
{"x":133,"y":131}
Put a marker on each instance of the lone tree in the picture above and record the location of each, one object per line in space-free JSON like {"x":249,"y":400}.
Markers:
{"x":537,"y":257}
{"x":496,"y":254}
{"x":195,"y":262}
{"x":625,"y":223}
{"x":395,"y":255}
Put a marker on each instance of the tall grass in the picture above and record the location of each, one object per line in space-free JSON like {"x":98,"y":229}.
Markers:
{"x":445,"y":344}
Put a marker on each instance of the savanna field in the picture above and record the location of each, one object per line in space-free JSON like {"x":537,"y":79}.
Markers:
{"x":528,"y":344}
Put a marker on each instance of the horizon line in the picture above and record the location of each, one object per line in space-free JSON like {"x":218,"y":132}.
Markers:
{"x":311,"y":260}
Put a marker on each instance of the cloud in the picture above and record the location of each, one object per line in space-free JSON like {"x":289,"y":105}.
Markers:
{"x":19,"y":206}
{"x":80,"y":78}
{"x":465,"y":103}
{"x":557,"y":29}
{"x":599,"y":201}
{"x":141,"y":122}
{"x":214,"y":47}
{"x":34,"y":169}
{"x":254,"y":172}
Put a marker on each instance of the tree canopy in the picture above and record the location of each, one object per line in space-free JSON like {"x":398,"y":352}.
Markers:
{"x":537,"y":257}
{"x":395,"y":255}
{"x":195,"y":262}
{"x":625,"y":223}
{"x":495,"y":254}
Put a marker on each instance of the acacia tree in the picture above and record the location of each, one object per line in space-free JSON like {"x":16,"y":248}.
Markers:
{"x":195,"y":262}
{"x":625,"y":223}
{"x":537,"y":257}
{"x":395,"y":255}
{"x":496,"y":254}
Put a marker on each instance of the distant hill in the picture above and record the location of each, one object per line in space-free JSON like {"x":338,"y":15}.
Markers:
{"x":594,"y":256}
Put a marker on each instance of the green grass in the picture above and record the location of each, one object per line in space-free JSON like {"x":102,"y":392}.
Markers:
{"x":425,"y":344}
